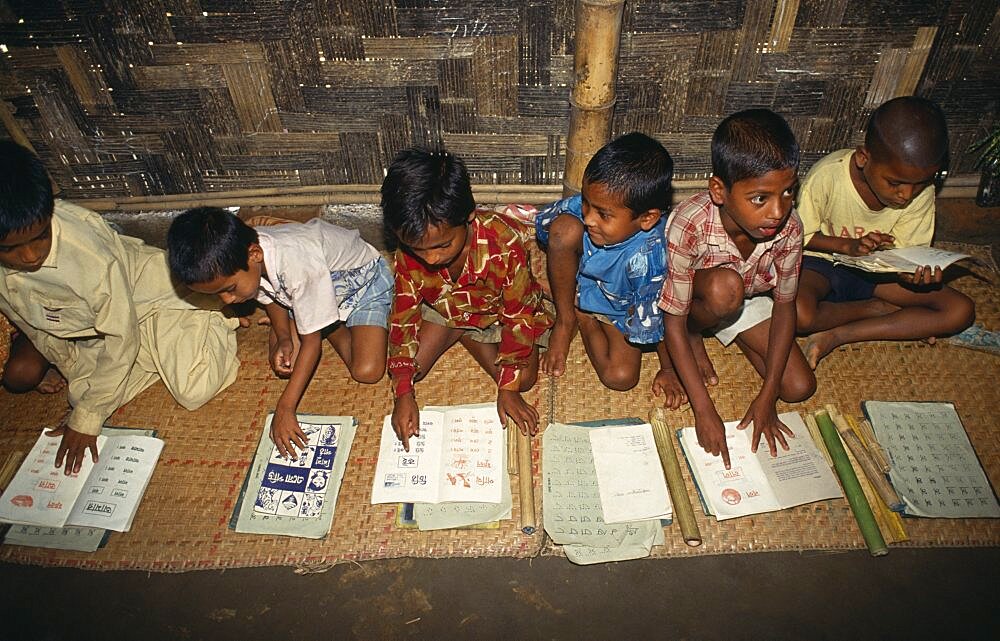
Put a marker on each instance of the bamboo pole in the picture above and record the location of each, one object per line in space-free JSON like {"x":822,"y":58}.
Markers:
{"x":592,"y":101}
{"x":683,"y":511}
{"x":525,"y":482}
{"x":865,"y":461}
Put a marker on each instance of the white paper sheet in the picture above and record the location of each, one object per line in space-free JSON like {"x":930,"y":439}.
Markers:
{"x":629,"y":475}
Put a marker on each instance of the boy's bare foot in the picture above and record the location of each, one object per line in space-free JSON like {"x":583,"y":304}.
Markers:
{"x":817,"y":346}
{"x":667,"y":385}
{"x":51,"y":383}
{"x":708,"y":374}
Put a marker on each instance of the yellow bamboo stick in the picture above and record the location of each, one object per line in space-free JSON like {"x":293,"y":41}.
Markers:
{"x":525,"y":482}
{"x":683,"y":511}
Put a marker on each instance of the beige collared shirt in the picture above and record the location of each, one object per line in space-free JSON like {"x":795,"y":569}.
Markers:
{"x":104,"y":310}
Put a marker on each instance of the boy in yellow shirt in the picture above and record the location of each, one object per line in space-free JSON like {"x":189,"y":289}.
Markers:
{"x":856,"y":201}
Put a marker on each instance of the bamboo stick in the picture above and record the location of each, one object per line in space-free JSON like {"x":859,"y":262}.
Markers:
{"x":852,"y":488}
{"x":511,"y":447}
{"x":867,"y":435}
{"x":525,"y":482}
{"x":592,"y":101}
{"x":864,"y":459}
{"x":817,"y":438}
{"x":683,"y":511}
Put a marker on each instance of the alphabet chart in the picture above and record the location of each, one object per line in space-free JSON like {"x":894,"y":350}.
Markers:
{"x":296,"y":497}
{"x":933,"y":466}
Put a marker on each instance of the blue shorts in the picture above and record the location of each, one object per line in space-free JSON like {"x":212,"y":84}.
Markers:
{"x":846,"y":283}
{"x":373,"y":302}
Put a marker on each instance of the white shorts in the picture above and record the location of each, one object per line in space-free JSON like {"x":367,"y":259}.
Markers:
{"x":755,"y":311}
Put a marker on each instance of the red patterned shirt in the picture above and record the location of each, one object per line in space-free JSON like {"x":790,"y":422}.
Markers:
{"x":697,"y":240}
{"x":496,"y":286}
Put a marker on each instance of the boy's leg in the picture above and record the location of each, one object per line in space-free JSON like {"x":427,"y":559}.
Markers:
{"x":486,"y":355}
{"x":797,"y":380}
{"x":716,"y":294}
{"x":433,"y":341}
{"x":616,"y":362}
{"x":363,"y":349}
{"x":919,"y":315}
{"x":814,"y":313}
{"x":27,"y":369}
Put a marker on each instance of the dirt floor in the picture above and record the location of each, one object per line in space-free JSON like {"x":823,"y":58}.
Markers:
{"x":925,"y":594}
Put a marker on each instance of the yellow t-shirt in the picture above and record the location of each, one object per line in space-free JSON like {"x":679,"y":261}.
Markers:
{"x":829,"y":203}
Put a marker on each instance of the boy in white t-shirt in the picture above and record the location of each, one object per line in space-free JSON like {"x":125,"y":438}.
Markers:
{"x":334,"y":284}
{"x":857,"y":201}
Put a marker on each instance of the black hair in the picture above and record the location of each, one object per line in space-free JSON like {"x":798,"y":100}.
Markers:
{"x":751,"y":143}
{"x":206,"y":243}
{"x":635,"y":167}
{"x":424,"y":188}
{"x":25,"y":190}
{"x":910,"y":128}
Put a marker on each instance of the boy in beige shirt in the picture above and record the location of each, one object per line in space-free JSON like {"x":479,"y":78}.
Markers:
{"x":97,"y":311}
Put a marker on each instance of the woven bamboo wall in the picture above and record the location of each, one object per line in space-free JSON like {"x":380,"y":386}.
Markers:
{"x":136,"y":97}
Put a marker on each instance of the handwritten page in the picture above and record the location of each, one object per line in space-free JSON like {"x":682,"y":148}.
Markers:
{"x":457,"y":457}
{"x":757,"y":483}
{"x":933,"y":465}
{"x":573,"y":516}
{"x":905,"y":259}
{"x":296,"y":498}
{"x":629,"y":475}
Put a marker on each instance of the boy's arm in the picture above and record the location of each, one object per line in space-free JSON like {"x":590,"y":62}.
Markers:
{"x":708,"y":424}
{"x":562,"y":263}
{"x":286,"y":432}
{"x":863,"y":246}
{"x":519,"y":327}
{"x":116,"y":322}
{"x":404,"y":321}
{"x":762,"y":411}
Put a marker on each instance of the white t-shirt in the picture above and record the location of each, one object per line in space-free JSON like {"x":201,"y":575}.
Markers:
{"x":302,"y":261}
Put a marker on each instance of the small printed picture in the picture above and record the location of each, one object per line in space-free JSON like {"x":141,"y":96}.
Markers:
{"x":312,"y":432}
{"x":312,"y":505}
{"x":329,"y":437}
{"x":267,"y":501}
{"x":317,"y":481}
{"x":395,"y":480}
{"x":289,"y":504}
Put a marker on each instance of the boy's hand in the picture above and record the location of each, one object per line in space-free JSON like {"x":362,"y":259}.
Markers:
{"x":406,"y":419}
{"x":287,"y":434}
{"x":765,"y":421}
{"x":280,"y":356}
{"x":73,"y":448}
{"x":712,"y":435}
{"x":553,"y":359}
{"x":924,"y":276}
{"x":510,"y":404}
{"x":870,"y":242}
{"x":667,"y":385}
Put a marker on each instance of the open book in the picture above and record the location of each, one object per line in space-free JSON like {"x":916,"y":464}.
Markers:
{"x":758,"y":482}
{"x":457,"y":457}
{"x":105,"y":495}
{"x":296,"y":498}
{"x":904,"y":260}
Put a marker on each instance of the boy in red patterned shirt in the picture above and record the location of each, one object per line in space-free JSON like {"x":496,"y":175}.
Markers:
{"x":733,"y":256}
{"x":462,"y":275}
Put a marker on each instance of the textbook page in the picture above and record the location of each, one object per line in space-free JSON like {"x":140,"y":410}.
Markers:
{"x":905,"y":259}
{"x":458,"y":456}
{"x":41,"y":494}
{"x":572,"y":513}
{"x":933,"y":465}
{"x":629,"y":475}
{"x":115,"y":486}
{"x":758,"y":482}
{"x":296,"y":498}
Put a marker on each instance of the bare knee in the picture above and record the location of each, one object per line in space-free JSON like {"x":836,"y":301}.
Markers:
{"x":797,"y":387}
{"x":23,"y":375}
{"x":619,"y":378}
{"x":368,"y":371}
{"x":805,"y":313}
{"x":721,"y":292}
{"x":961,"y":313}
